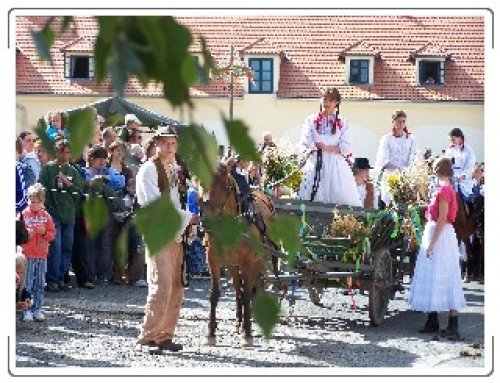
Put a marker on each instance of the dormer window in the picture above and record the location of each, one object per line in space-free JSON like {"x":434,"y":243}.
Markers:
{"x":430,"y":72}
{"x":79,"y":66}
{"x":359,"y":71}
{"x":264,"y":58}
{"x":430,"y":64}
{"x":262,"y":81}
{"x":359,"y":63}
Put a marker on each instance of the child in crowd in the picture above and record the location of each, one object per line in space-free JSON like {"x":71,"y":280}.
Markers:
{"x":42,"y":231}
{"x":197,"y":264}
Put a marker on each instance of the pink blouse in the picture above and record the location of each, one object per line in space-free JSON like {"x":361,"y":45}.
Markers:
{"x":447,"y":193}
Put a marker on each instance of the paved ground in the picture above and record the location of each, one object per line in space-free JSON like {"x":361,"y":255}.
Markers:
{"x":97,"y":328}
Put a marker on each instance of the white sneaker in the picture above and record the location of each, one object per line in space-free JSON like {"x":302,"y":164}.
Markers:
{"x":28,"y":316}
{"x":141,"y":283}
{"x":39,"y":316}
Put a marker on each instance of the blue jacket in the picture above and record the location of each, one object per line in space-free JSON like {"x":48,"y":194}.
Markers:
{"x":51,"y":132}
{"x":192,"y":201}
{"x":21,"y":189}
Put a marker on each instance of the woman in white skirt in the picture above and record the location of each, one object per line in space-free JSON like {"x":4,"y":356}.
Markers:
{"x":437,"y":284}
{"x":326,"y":142}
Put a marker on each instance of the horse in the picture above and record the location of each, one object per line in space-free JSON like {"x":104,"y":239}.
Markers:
{"x":243,"y":261}
{"x":466,"y":224}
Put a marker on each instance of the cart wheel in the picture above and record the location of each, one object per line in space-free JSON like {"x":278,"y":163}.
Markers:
{"x":315,"y":294}
{"x":380,"y":286}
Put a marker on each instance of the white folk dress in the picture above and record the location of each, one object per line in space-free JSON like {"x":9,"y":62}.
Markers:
{"x":398,"y":151}
{"x":437,"y":284}
{"x":464,"y":160}
{"x":337,"y":183}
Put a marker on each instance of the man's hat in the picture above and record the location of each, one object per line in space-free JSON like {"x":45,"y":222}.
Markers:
{"x":133,"y":118}
{"x":166,"y":131}
{"x":361,"y":163}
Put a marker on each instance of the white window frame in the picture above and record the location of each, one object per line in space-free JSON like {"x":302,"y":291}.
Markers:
{"x":371,"y":66}
{"x":276,"y":70}
{"x":442,"y":68}
{"x":67,"y":65}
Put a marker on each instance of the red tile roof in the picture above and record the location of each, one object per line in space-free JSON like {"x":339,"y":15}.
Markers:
{"x":360,"y":48}
{"x":430,"y":50}
{"x":312,"y":45}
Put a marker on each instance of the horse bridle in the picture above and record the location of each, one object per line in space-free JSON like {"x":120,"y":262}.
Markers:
{"x":230,"y":189}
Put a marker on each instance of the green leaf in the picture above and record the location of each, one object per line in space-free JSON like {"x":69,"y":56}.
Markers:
{"x":226,"y":230}
{"x":199,"y":150}
{"x":189,"y":69}
{"x":67,"y":20}
{"x":285,"y":229}
{"x":96,"y":213}
{"x":178,"y":39}
{"x":159,"y":222}
{"x":43,"y":41}
{"x":265,"y":312}
{"x":208,"y":62}
{"x":239,"y":139}
{"x":47,"y":144}
{"x":80,"y":129}
{"x":109,"y":28}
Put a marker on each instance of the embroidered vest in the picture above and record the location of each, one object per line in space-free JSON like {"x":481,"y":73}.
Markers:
{"x":368,"y":203}
{"x":163,"y":182}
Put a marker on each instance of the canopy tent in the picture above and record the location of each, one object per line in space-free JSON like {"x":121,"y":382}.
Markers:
{"x":119,"y":106}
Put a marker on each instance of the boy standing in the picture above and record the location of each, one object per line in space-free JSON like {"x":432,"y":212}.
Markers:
{"x":41,"y":232}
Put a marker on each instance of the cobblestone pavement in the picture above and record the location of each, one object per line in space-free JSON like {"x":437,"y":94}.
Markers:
{"x":98,"y":328}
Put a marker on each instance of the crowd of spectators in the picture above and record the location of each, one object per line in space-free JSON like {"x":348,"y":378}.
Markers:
{"x":55,"y":250}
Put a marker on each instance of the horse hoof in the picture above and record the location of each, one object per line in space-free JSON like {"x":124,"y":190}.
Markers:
{"x":247,"y":342}
{"x":237,"y":329}
{"x":210,"y":341}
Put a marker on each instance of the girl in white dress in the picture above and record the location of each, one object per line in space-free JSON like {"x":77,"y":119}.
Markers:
{"x":437,"y":284}
{"x":326,"y":141}
{"x":463,"y":158}
{"x":396,"y":152}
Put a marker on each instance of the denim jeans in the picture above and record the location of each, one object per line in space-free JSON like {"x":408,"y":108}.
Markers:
{"x":34,"y":281}
{"x":60,"y":250}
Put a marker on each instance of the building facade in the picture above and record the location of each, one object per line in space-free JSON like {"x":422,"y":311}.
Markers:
{"x":430,"y":67}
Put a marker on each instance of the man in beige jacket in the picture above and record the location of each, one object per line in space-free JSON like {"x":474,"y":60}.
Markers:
{"x":156,"y":177}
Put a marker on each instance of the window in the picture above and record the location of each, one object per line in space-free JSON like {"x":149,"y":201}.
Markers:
{"x":79,"y":66}
{"x":262,"y":76}
{"x":430,"y":72}
{"x":359,"y":71}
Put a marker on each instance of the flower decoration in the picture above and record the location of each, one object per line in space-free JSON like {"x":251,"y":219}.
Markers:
{"x":236,"y":67}
{"x":348,"y":226}
{"x":277,"y":164}
{"x":332,"y":121}
{"x":410,"y":186}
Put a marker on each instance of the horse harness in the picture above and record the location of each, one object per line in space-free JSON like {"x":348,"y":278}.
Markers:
{"x":246,"y":208}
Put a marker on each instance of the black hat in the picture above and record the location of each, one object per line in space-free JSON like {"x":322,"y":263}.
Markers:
{"x":166,"y":131}
{"x":361,"y":163}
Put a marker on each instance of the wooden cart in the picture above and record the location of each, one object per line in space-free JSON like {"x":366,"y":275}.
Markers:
{"x":321,"y":262}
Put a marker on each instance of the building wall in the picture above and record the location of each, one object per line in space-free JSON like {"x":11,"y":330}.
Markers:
{"x":430,"y":122}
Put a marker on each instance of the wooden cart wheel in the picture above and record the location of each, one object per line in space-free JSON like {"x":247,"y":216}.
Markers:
{"x":380,"y":286}
{"x":315,"y":293}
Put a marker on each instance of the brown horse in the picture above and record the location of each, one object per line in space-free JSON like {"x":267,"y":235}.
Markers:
{"x":467,"y":224}
{"x":244,"y":263}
